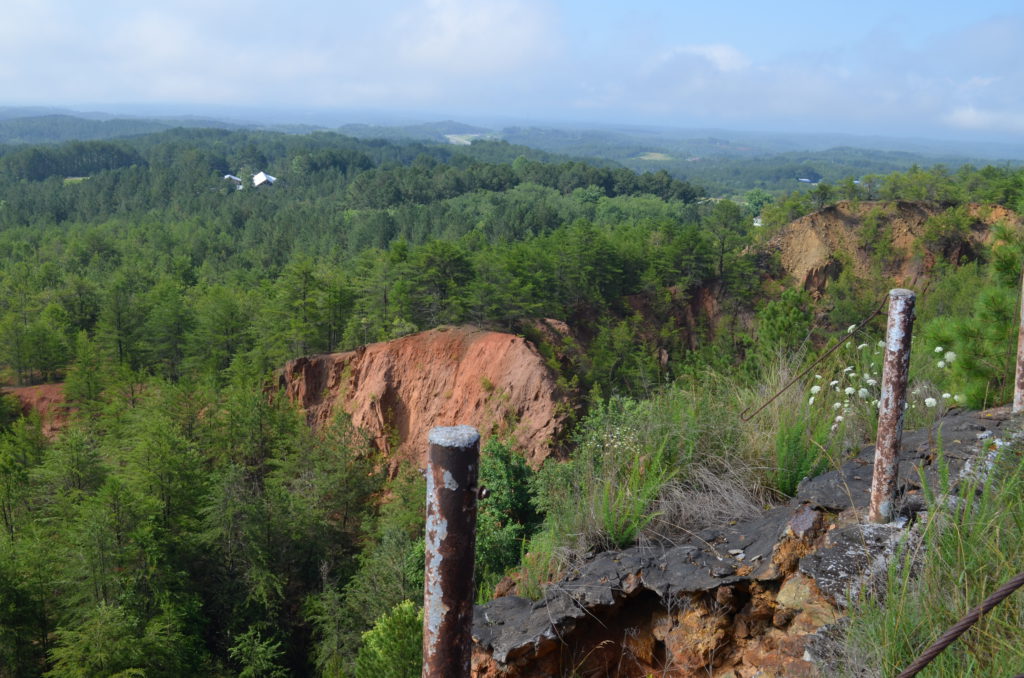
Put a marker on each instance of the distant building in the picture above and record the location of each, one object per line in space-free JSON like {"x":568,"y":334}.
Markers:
{"x":262,"y":178}
{"x":235,"y":180}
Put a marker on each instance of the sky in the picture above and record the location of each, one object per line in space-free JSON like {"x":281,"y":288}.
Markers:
{"x":938,"y":68}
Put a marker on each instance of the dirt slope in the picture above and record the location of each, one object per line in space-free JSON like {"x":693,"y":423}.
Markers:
{"x":47,"y":400}
{"x":399,"y":390}
{"x":812,"y":248}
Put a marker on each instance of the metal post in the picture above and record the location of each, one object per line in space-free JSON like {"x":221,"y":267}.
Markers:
{"x":449,"y":589}
{"x":1018,"y":389}
{"x":892,"y":404}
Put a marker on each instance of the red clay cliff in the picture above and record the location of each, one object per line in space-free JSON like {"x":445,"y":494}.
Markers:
{"x":398,"y":390}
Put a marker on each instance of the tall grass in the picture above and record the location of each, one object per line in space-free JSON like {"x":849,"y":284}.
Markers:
{"x":685,"y":459}
{"x":967,"y":548}
{"x":651,"y":469}
{"x":627,"y":453}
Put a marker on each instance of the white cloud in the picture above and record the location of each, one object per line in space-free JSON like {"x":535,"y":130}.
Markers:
{"x":455,"y":37}
{"x":725,"y":58}
{"x":971,"y":118}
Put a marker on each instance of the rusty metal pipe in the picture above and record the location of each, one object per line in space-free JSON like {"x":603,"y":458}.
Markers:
{"x":1018,"y":388}
{"x":453,"y":461}
{"x":891,"y":404}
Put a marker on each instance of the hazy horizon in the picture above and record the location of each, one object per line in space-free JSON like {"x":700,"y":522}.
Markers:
{"x":946,"y":71}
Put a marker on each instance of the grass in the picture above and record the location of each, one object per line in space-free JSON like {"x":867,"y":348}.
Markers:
{"x":645,"y":470}
{"x":660,"y":469}
{"x":966,"y":549}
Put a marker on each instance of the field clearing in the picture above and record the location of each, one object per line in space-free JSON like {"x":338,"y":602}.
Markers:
{"x":655,"y":156}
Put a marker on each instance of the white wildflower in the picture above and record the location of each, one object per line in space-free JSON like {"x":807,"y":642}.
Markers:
{"x":946,"y":396}
{"x":810,"y":401}
{"x":839,"y":418}
{"x":833,"y":382}
{"x":872,"y":382}
{"x":939,"y":349}
{"x":930,"y":402}
{"x":817,"y":376}
{"x":836,"y":406}
{"x":881,"y":343}
{"x":861,"y":347}
{"x":850,"y":329}
{"x":815,"y":389}
{"x":849,"y":390}
{"x":950,"y":356}
{"x":941,"y":364}
{"x":863,"y":394}
{"x":958,"y":398}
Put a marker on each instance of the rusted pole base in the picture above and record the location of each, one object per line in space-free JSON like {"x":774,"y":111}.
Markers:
{"x":449,"y":589}
{"x":891,"y":404}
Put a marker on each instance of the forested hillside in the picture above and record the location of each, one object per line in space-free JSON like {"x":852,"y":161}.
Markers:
{"x":187,"y":522}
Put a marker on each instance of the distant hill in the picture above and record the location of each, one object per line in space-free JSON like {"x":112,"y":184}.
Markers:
{"x":724,"y":162}
{"x":729,"y":162}
{"x":57,"y":128}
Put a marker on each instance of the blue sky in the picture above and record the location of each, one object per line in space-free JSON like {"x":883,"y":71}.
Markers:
{"x":945,"y":69}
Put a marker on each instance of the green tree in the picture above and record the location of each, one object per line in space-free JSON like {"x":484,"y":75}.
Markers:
{"x":785,"y":324}
{"x":21,"y":449}
{"x":221,"y":328}
{"x":258,"y":657}
{"x":393,"y":648}
{"x":85,"y":380}
{"x":821,"y":195}
{"x":433,"y":287}
{"x":163,"y":333}
{"x":725,"y":225}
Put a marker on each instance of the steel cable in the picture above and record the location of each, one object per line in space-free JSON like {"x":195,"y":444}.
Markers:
{"x":958,"y":629}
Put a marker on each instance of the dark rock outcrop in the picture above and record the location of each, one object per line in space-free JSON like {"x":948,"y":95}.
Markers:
{"x":731,"y":602}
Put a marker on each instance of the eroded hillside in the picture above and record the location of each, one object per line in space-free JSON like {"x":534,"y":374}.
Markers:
{"x":398,"y":390}
{"x":879,"y":237}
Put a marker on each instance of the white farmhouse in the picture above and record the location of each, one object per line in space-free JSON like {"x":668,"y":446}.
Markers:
{"x":262,"y":178}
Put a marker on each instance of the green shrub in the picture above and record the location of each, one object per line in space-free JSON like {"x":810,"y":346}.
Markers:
{"x":393,"y":648}
{"x":982,"y":347}
{"x":507,"y":518}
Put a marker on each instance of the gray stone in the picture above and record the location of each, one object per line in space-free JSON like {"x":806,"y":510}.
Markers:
{"x":851,"y":554}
